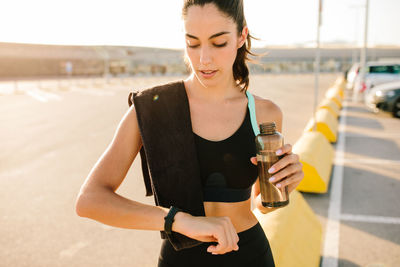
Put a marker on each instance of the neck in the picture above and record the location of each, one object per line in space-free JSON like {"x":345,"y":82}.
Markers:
{"x":224,"y":90}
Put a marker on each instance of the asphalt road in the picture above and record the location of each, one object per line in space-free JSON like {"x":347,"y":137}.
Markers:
{"x":53,"y":133}
{"x":366,"y":201}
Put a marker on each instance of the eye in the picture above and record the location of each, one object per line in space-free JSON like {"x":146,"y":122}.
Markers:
{"x":216,"y":45}
{"x":220,"y":45}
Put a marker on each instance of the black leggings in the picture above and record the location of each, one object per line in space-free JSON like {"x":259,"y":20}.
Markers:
{"x":254,"y":251}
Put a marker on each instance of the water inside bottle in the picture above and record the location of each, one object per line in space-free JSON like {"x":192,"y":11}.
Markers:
{"x":271,"y":196}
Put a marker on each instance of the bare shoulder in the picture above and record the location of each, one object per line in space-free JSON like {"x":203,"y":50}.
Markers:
{"x":267,"y":110}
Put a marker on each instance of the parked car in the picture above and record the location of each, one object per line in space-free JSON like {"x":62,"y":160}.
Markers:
{"x":385,"y":97}
{"x":377,"y":73}
{"x":351,"y":76}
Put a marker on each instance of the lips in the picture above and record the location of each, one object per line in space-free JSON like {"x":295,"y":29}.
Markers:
{"x":208,"y":74}
{"x":208,"y":71}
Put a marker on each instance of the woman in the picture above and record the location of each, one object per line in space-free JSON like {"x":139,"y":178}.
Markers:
{"x":217,"y":44}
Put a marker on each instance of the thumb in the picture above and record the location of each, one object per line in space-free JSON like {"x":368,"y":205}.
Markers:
{"x":211,"y":248}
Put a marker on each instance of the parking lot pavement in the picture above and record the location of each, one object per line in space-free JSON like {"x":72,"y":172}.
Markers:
{"x":360,"y":213}
{"x":51,"y":146}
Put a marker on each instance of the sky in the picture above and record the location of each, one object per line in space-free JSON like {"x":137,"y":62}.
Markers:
{"x":157,"y":23}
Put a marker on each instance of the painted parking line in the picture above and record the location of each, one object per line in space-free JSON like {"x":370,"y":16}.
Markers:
{"x":330,"y":256}
{"x":370,"y":219}
{"x":371,"y":161}
{"x":92,"y":92}
{"x":7,"y":89}
{"x":42,"y":96}
{"x":374,"y":135}
{"x":71,"y":251}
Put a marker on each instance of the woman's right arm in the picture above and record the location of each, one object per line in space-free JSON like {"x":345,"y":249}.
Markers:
{"x":98,"y":200}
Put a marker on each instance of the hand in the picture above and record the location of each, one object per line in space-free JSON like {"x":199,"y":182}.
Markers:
{"x":288,"y":171}
{"x":208,"y":229}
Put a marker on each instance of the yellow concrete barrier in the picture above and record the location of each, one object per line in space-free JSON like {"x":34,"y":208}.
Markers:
{"x":327,"y":124}
{"x":294,"y":233}
{"x":341,"y":83}
{"x":331,"y":106}
{"x":316,"y":154}
{"x":336,"y":94}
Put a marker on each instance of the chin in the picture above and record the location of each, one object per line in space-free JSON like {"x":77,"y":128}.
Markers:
{"x":208,"y":82}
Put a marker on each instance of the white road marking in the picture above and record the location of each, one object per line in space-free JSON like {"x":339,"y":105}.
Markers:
{"x":372,"y":161}
{"x":330,"y":254}
{"x":370,"y":219}
{"x":46,"y":96}
{"x":375,"y":135}
{"x":7,"y":89}
{"x":42,"y":96}
{"x":37,"y":96}
{"x":72,"y":250}
{"x":92,"y":92}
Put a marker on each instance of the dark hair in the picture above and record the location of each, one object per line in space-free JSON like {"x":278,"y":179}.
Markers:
{"x":233,"y":9}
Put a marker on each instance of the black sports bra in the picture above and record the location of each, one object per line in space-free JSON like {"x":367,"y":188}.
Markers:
{"x":226,"y":171}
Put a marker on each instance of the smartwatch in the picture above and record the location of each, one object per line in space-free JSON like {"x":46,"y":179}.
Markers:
{"x":169,"y":219}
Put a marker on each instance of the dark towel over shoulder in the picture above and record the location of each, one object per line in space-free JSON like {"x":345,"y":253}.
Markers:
{"x":169,"y":161}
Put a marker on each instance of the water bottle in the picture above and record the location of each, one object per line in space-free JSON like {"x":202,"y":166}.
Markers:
{"x":267,"y":143}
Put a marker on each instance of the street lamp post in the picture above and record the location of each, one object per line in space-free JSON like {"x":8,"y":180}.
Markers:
{"x":354,"y":57}
{"x":363,"y":56}
{"x":317,"y":66}
{"x":106,"y":65}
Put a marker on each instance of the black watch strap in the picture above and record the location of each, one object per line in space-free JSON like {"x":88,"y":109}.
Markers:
{"x":169,"y":219}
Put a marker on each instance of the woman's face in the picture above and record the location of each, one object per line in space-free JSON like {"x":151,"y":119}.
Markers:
{"x":211,"y":43}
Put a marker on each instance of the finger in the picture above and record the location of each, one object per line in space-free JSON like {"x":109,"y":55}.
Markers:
{"x":285,"y":149}
{"x":279,"y":176}
{"x":221,"y":247}
{"x":233,"y":236}
{"x":208,"y":239}
{"x":229,"y":236}
{"x":283,"y":162}
{"x":293,"y":186}
{"x":211,"y":249}
{"x":253,"y":160}
{"x":292,"y":180}
{"x":215,"y":249}
{"x":221,"y":239}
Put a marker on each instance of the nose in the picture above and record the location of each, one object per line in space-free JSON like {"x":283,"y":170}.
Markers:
{"x":205,"y":55}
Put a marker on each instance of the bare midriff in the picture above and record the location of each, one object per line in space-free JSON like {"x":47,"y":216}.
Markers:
{"x":240,"y":213}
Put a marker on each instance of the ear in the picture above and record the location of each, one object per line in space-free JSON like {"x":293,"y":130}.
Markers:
{"x":243,"y":36}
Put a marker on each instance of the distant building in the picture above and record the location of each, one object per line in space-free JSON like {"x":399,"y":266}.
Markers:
{"x":29,"y":60}
{"x":299,"y":59}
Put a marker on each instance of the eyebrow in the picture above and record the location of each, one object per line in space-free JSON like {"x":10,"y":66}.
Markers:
{"x":212,"y":36}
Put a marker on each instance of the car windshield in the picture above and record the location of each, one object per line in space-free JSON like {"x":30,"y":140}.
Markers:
{"x":390,"y":69}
